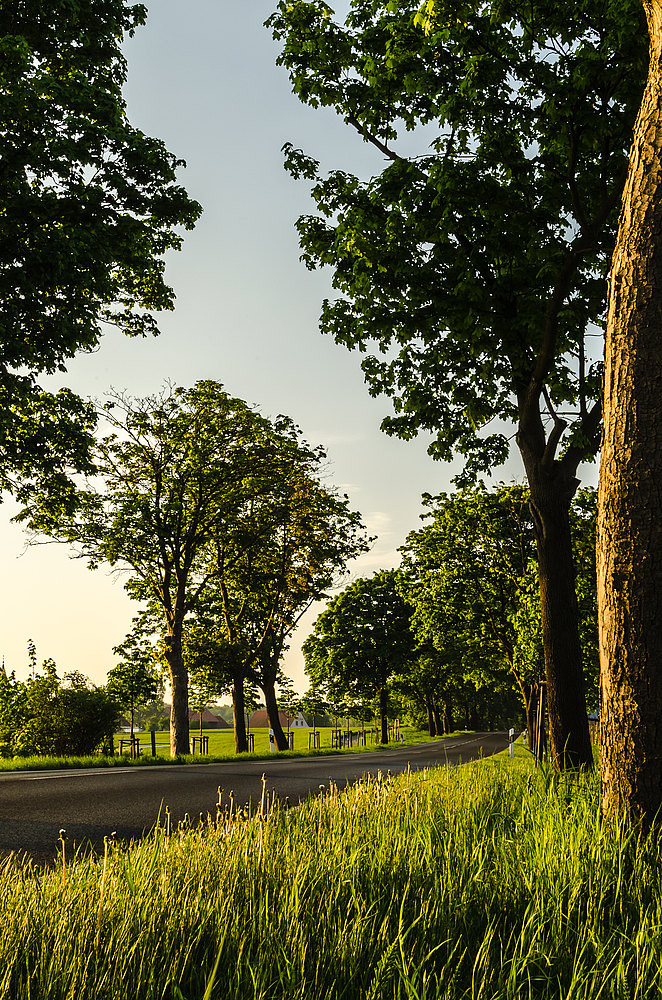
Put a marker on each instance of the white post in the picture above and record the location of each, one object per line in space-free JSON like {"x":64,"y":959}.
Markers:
{"x":272,"y":745}
{"x":511,"y":737}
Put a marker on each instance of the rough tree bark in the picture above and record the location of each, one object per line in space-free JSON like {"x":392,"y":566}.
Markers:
{"x":267,"y":684}
{"x":432,"y":729}
{"x":441,"y":725}
{"x":630,"y":499}
{"x":383,"y":712}
{"x":239,"y":713}
{"x":553,"y":484}
{"x":179,"y":727}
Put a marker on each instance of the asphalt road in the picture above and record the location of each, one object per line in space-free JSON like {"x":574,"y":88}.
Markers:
{"x":89,"y":804}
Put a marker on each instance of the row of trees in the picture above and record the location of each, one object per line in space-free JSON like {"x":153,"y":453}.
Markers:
{"x":461,"y":614}
{"x":477,"y":270}
{"x":471,"y":269}
{"x":227,"y":531}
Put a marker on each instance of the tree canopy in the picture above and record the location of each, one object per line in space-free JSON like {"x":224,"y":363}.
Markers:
{"x":176,"y":469}
{"x":476,"y":265}
{"x":360,"y":640}
{"x":90,"y":205}
{"x":471,"y":268}
{"x":471,"y":575}
{"x":284,"y":550}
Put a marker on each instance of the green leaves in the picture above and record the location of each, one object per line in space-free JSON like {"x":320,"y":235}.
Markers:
{"x":471,"y":267}
{"x":361,"y":639}
{"x":471,"y":575}
{"x":89,"y":205}
{"x":43,"y":715}
{"x":461,"y":573}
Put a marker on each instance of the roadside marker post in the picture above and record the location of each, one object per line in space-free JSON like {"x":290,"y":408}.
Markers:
{"x":511,"y":737}
{"x":272,"y":745}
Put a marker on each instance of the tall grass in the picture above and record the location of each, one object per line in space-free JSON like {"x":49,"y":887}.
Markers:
{"x":480,"y":882}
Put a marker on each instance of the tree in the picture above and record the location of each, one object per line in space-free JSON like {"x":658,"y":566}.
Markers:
{"x":287,"y":697}
{"x":472,"y":577}
{"x":419,"y":685}
{"x":291,"y":545}
{"x":461,"y":572}
{"x":90,"y":205}
{"x":630,"y":510}
{"x":46,"y":716}
{"x":174,"y":474}
{"x":475,"y":265}
{"x":132,"y":682}
{"x":313,"y":704}
{"x":360,"y":640}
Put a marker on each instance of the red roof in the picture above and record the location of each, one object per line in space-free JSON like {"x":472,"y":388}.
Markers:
{"x":208,"y":719}
{"x":260,"y":719}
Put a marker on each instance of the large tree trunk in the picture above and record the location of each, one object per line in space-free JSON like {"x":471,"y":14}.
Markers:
{"x":239,"y":714}
{"x":630,"y":497}
{"x":383,"y":713}
{"x":179,"y":730}
{"x":268,"y":687}
{"x":551,"y":497}
{"x":449,"y":720}
{"x":438,"y":721}
{"x":432,"y":729}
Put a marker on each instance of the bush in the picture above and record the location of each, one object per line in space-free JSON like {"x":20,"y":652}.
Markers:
{"x":48,"y":717}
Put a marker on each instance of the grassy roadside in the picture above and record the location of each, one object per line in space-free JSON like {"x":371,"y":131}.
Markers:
{"x":221,"y":752}
{"x":494,"y":881}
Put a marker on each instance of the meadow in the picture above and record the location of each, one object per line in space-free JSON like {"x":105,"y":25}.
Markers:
{"x":492,"y":881}
{"x":221,"y":748}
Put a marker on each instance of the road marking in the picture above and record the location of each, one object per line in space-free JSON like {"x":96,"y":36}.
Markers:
{"x":369,"y":756}
{"x":78,"y":773}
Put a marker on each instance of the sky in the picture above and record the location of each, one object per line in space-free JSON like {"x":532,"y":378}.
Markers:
{"x":246,"y":315}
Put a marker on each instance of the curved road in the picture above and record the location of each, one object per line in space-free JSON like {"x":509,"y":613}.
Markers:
{"x":89,"y":804}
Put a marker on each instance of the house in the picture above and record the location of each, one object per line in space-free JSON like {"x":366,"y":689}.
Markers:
{"x":209,"y":720}
{"x":123,"y":725}
{"x":260,"y":719}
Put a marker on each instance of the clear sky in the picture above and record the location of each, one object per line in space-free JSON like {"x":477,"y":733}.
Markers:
{"x":202,"y":77}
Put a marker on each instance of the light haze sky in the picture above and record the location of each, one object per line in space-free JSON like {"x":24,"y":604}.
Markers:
{"x":202,"y":77}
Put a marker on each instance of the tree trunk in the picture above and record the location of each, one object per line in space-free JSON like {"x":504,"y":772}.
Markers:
{"x":449,"y":721}
{"x":432,"y":729}
{"x":268,"y":687}
{"x":629,"y":498}
{"x":551,"y":496}
{"x":179,"y":730}
{"x":239,"y":714}
{"x":383,"y":713}
{"x":526,"y":690}
{"x":438,"y":721}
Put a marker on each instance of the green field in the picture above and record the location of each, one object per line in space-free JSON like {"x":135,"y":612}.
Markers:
{"x":491,"y":881}
{"x":221,"y":742}
{"x":221,"y":748}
